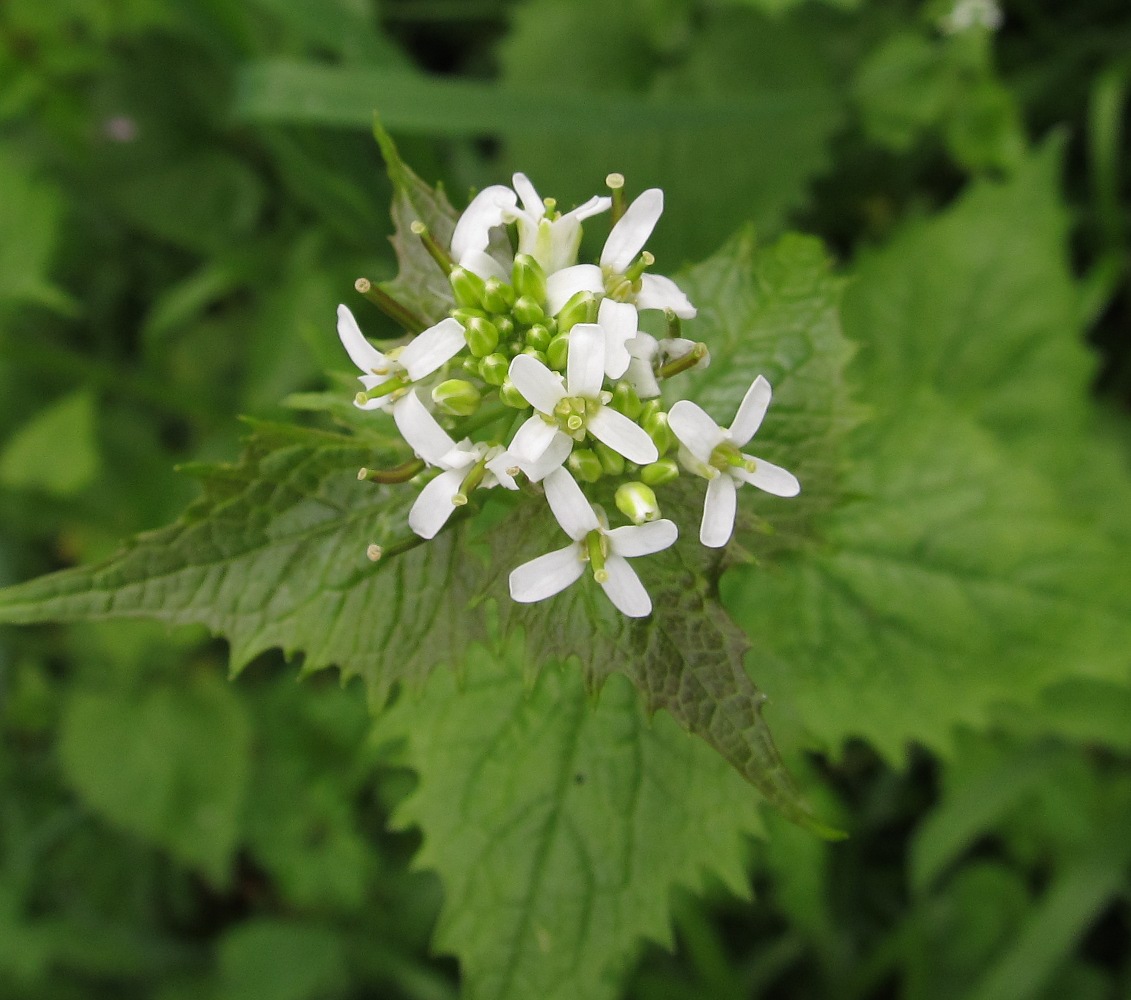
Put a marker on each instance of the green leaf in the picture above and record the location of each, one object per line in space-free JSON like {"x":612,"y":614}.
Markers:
{"x":275,"y":960}
{"x":170,"y":765}
{"x":274,"y":553}
{"x":960,"y":579}
{"x":56,"y":450}
{"x":560,"y":826}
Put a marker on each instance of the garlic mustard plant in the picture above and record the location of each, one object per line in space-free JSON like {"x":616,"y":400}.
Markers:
{"x":541,"y":380}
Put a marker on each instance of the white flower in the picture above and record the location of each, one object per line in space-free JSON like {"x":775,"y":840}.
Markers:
{"x":622,"y":248}
{"x":646,"y":353}
{"x":575,"y":408}
{"x":551,"y":239}
{"x":605,"y":551}
{"x":713,"y":452}
{"x":393,"y":372}
{"x":466,"y":465}
{"x":618,"y":323}
{"x":967,"y":14}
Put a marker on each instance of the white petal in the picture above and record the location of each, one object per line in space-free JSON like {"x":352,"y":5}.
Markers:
{"x":594,"y":206}
{"x":498,"y":467}
{"x":531,"y":201}
{"x":750,"y":412}
{"x":658,"y":292}
{"x":695,"y":430}
{"x":552,"y":458}
{"x":630,"y":234}
{"x":623,"y":435}
{"x":487,"y":210}
{"x":434,"y":505}
{"x":642,"y":378}
{"x":677,"y":347}
{"x":532,"y":440}
{"x":619,"y":321}
{"x":718,"y":512}
{"x":419,"y":428}
{"x":563,"y":285}
{"x":771,"y":478}
{"x":361,"y":352}
{"x":642,"y":539}
{"x":573,"y":512}
{"x":539,"y":386}
{"x":460,"y":456}
{"x":585,"y":362}
{"x":432,"y":348}
{"x":625,"y":589}
{"x":484,"y":265}
{"x":547,"y":575}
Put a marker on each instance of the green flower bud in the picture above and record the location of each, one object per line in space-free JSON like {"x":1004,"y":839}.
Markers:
{"x":658,"y":473}
{"x":650,"y":409}
{"x":498,"y":296}
{"x":504,"y":324}
{"x":612,"y":462}
{"x":538,"y":336}
{"x":467,"y":286}
{"x":581,"y":308}
{"x":471,"y":365}
{"x":529,"y":278}
{"x":456,"y":396}
{"x":637,"y":502}
{"x":482,"y":336}
{"x":658,"y":430}
{"x":493,"y":369}
{"x":510,"y":395}
{"x":465,"y":314}
{"x":626,"y":401}
{"x":528,"y":310}
{"x":535,"y":353}
{"x":585,"y":465}
{"x":557,"y":351}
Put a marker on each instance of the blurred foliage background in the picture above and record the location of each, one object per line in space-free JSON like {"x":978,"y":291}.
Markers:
{"x":187,"y":190}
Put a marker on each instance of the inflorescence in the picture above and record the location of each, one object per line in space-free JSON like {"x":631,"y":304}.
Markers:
{"x":542,"y":372}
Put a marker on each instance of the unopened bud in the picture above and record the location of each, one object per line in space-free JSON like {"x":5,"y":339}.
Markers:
{"x":585,"y":465}
{"x":612,"y":462}
{"x":581,"y":308}
{"x":509,"y":394}
{"x":528,"y":310}
{"x":626,"y":401}
{"x":637,"y":502}
{"x":468,"y":287}
{"x":504,"y":324}
{"x":538,"y":336}
{"x":493,"y":369}
{"x":465,"y":314}
{"x":658,"y":473}
{"x":482,"y":336}
{"x":557,"y":351}
{"x":456,"y":396}
{"x":498,"y":296}
{"x":658,"y":430}
{"x":536,"y":354}
{"x":529,"y":278}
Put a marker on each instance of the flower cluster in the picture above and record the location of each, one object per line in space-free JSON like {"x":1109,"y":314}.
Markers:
{"x":543,"y":372}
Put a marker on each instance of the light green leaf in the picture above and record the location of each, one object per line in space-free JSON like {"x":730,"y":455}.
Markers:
{"x":169,"y":765}
{"x":276,"y":960}
{"x":560,"y":826}
{"x":56,"y":450}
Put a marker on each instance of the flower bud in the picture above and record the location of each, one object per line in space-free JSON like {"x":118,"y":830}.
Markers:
{"x":585,"y":465}
{"x":528,"y":310}
{"x":504,"y":324}
{"x":509,"y":394}
{"x":538,"y":336}
{"x":465,"y":314}
{"x":529,"y":278}
{"x":467,"y":286}
{"x":658,"y":430}
{"x":456,"y":396}
{"x":498,"y":296}
{"x":658,"y":473}
{"x":535,"y":353}
{"x":557,"y":351}
{"x":482,"y":336}
{"x":581,"y":308}
{"x":650,"y":409}
{"x":637,"y":502}
{"x":611,"y":462}
{"x":493,"y":369}
{"x":626,"y":401}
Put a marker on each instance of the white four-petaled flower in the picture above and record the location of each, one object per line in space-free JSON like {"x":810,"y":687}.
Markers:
{"x":418,"y":359}
{"x":466,"y":465}
{"x":575,"y":408}
{"x":713,"y":452}
{"x":605,"y":551}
